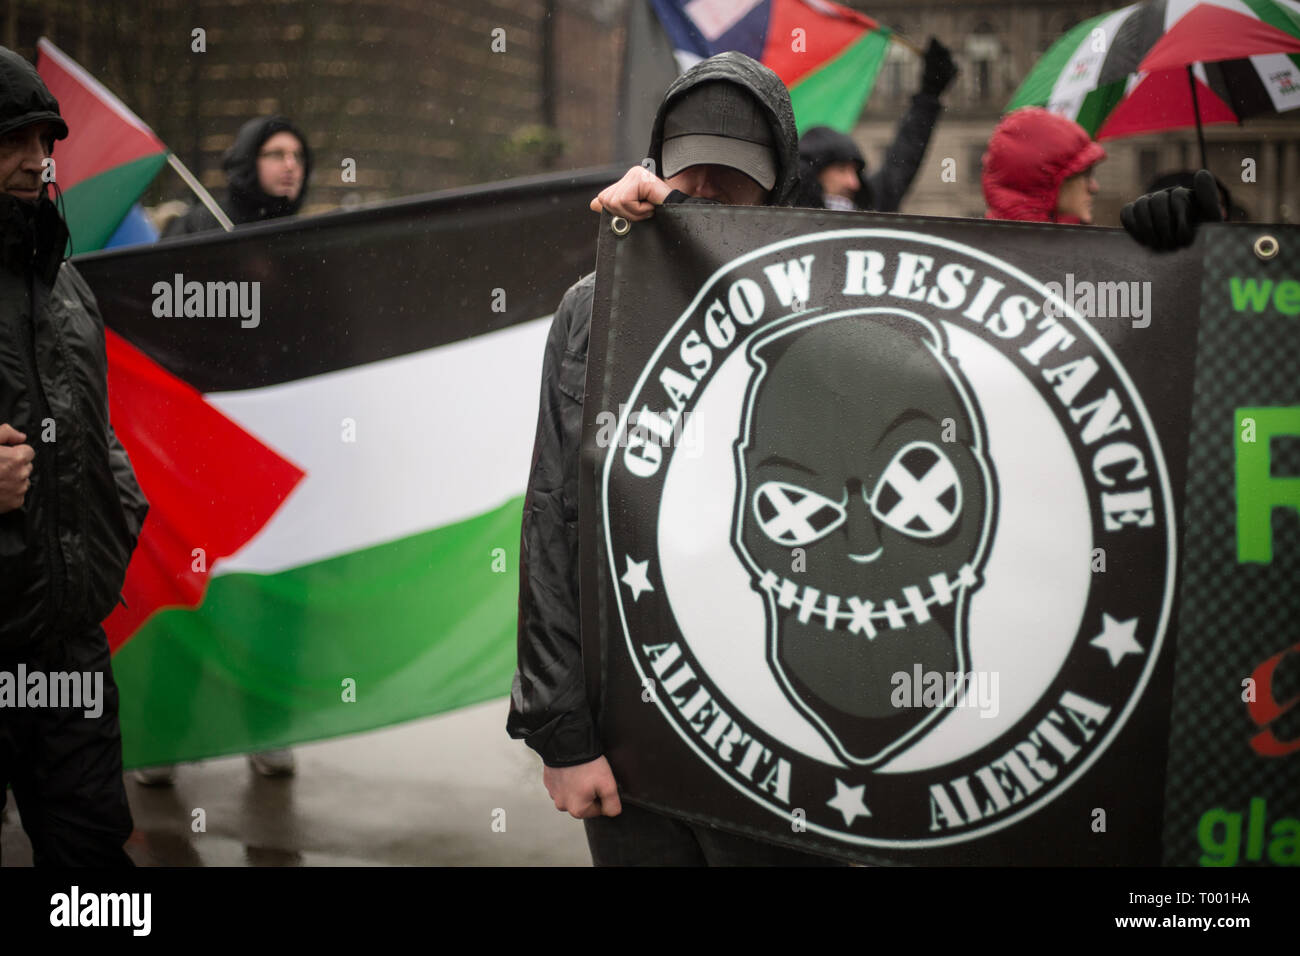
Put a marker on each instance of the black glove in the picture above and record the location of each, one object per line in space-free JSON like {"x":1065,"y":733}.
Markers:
{"x":1167,"y":219}
{"x":939,"y":68}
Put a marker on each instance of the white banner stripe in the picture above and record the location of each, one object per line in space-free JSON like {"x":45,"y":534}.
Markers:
{"x":441,"y":435}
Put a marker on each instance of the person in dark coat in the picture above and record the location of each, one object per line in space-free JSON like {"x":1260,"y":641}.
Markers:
{"x":71,"y":512}
{"x":833,"y":171}
{"x":753,"y":162}
{"x":267,"y":168}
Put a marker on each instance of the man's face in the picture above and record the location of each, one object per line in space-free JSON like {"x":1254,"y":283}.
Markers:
{"x":21,"y":153}
{"x":722,"y":184}
{"x":840,"y":179}
{"x":279,"y":166}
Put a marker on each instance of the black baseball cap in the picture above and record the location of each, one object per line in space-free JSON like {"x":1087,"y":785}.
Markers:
{"x":719,"y":123}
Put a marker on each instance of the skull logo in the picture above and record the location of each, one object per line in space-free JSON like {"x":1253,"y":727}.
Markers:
{"x":861,"y":446}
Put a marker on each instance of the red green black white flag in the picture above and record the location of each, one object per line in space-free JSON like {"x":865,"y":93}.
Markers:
{"x":109,"y":157}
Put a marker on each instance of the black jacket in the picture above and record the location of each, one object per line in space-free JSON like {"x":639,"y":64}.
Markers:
{"x":548,"y":703}
{"x":884,"y":189}
{"x":245,"y":201}
{"x":64,"y":553}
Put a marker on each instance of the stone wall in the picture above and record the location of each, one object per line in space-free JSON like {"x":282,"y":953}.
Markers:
{"x":422,"y":94}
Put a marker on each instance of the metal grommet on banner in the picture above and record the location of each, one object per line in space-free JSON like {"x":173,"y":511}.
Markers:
{"x":619,"y":226}
{"x":1266,"y":247}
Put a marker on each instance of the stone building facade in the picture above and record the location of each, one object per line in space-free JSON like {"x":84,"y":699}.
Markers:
{"x":422,"y":94}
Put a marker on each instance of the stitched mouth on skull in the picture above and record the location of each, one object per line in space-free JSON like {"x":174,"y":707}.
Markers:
{"x":861,"y":470}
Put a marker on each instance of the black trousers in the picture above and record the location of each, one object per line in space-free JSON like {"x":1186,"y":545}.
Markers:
{"x":640,"y":837}
{"x":66,"y":768}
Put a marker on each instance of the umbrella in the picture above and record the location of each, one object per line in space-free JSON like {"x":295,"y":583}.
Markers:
{"x":1166,"y":64}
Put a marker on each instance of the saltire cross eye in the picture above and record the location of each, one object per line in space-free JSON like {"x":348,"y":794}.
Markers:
{"x":792,"y":515}
{"x":919,"y":493}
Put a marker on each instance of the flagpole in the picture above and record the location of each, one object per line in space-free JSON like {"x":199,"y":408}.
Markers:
{"x":204,"y":196}
{"x":905,"y":42}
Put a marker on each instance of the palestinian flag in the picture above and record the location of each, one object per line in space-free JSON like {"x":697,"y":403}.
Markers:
{"x":827,"y":55}
{"x":109,"y":157}
{"x":1103,"y":75}
{"x":335,"y":462}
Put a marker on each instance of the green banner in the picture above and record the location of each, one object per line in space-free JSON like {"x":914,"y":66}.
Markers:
{"x":1233,"y":786}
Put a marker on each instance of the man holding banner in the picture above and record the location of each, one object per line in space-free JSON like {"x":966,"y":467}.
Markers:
{"x":724,"y":133}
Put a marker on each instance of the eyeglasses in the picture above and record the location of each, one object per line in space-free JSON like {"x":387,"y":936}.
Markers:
{"x":280,"y":155}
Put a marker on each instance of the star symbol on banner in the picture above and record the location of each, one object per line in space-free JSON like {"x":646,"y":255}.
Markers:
{"x":635,"y":576}
{"x":848,"y":800}
{"x":1116,"y":638}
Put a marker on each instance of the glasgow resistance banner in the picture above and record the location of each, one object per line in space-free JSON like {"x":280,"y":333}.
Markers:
{"x":332,"y":420}
{"x":896,"y":548}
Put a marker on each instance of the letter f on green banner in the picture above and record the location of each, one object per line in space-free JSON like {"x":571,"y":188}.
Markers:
{"x":1258,"y":492}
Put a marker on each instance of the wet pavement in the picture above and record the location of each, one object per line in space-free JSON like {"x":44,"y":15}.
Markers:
{"x":423,"y":793}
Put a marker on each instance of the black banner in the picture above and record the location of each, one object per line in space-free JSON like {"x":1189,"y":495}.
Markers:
{"x":428,"y":270}
{"x":881,"y":521}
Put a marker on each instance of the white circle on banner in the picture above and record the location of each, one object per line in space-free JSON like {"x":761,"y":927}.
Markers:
{"x":1023,"y":620}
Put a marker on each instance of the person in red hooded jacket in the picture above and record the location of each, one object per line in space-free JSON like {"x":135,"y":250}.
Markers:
{"x":1039,"y":168}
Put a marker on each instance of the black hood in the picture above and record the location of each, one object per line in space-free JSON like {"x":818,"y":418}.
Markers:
{"x":24,"y":98}
{"x":821,"y":146}
{"x":248,"y":203}
{"x":33,"y":236}
{"x":818,"y":148}
{"x":771,"y":94}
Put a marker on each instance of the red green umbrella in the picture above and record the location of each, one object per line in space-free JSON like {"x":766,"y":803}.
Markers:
{"x":1245,"y":50}
{"x":1167,"y":64}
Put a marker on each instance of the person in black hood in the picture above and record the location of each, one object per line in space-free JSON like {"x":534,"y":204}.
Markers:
{"x":724,"y":133}
{"x":726,"y":117}
{"x":833,"y":171}
{"x":71,"y":512}
{"x":267,"y":168}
